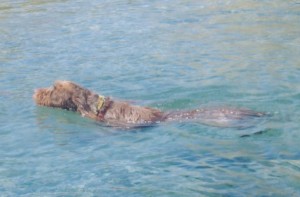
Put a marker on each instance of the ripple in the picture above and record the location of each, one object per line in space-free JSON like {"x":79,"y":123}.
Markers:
{"x":172,"y":56}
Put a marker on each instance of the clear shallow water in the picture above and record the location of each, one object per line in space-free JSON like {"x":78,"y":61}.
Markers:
{"x":170,"y":55}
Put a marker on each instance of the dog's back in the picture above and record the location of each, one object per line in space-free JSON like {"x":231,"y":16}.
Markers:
{"x":123,"y":114}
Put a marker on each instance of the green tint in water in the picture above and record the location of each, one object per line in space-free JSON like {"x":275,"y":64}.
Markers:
{"x":170,"y":55}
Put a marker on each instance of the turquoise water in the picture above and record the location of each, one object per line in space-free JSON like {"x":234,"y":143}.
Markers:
{"x":166,"y":54}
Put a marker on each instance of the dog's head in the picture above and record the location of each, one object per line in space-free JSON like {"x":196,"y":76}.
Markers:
{"x":65,"y":95}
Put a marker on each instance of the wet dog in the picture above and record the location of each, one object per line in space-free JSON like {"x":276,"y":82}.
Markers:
{"x":71,"y":96}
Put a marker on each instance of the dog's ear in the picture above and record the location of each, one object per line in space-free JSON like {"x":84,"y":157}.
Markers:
{"x":83,"y":100}
{"x":92,"y":100}
{"x":80,"y":100}
{"x":84,"y":108}
{"x":60,"y":99}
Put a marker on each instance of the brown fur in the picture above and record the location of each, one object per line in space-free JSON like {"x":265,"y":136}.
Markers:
{"x":70,"y":96}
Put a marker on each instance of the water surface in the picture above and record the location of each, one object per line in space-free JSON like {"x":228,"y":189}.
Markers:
{"x":166,"y":54}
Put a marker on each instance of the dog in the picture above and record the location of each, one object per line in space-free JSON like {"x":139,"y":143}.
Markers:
{"x":71,"y":96}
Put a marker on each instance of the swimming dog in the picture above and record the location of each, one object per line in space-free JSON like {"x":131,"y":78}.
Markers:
{"x":71,"y":96}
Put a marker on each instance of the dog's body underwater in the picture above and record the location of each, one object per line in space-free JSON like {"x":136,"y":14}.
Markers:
{"x":70,"y":96}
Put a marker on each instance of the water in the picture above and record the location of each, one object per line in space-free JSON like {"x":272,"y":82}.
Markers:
{"x":166,"y":54}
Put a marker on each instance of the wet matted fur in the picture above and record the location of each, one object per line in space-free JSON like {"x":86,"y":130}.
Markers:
{"x":71,"y":96}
